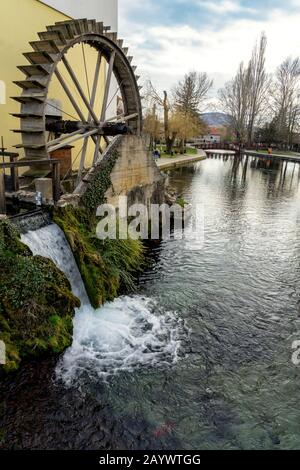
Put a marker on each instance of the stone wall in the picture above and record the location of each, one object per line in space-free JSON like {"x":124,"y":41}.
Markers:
{"x":126,"y":169}
{"x":135,"y":175}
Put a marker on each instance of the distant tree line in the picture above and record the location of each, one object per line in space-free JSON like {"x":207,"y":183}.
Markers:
{"x":261,"y":107}
{"x":264,"y":108}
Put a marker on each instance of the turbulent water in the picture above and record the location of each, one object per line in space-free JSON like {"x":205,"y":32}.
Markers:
{"x":127,"y":333}
{"x":202,"y":357}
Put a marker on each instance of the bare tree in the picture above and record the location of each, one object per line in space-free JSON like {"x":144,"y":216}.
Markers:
{"x":163,"y":101}
{"x":245,"y":97}
{"x":286,"y":99}
{"x":259,"y":85}
{"x":234,"y":98}
{"x":190,"y":94}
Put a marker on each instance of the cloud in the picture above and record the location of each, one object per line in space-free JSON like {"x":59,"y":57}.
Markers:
{"x":225,"y":6}
{"x":165,"y":51}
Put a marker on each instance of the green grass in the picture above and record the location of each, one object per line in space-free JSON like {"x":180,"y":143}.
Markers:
{"x":189,"y":151}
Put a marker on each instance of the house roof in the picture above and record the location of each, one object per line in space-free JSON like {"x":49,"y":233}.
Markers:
{"x":214,"y":131}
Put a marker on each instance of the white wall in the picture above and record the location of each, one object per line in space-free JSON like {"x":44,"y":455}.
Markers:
{"x":212,"y":138}
{"x":100,"y":10}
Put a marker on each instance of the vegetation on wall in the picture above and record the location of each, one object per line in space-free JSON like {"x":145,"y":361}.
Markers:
{"x":95,"y":194}
{"x":36,"y":302}
{"x":106,"y":266}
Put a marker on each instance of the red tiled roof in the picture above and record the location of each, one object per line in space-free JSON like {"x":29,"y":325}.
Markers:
{"x":214,"y":131}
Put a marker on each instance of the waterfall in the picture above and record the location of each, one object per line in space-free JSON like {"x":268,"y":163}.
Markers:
{"x":50,"y":242}
{"x":131,"y":332}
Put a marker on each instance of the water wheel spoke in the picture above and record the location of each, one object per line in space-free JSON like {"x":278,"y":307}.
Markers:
{"x":72,"y":139}
{"x":114,"y":95}
{"x":61,"y":110}
{"x":63,"y":137}
{"x":92,"y":103}
{"x":79,"y":89}
{"x":107,"y":86}
{"x":86,"y":72}
{"x":69,"y":95}
{"x":97,"y":146}
{"x":96,"y":80}
{"x":122,"y":117}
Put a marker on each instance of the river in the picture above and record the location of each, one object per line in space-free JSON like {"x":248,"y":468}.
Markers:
{"x":201,"y":356}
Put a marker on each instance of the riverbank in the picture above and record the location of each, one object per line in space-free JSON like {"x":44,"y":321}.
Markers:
{"x":289,"y":157}
{"x":167,"y":163}
{"x":36,"y":303}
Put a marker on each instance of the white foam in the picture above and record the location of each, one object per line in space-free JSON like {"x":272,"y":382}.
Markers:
{"x":121,"y":336}
{"x":128,"y":333}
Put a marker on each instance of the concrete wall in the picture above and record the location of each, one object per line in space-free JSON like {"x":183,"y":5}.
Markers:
{"x":135,"y":175}
{"x":100,"y":10}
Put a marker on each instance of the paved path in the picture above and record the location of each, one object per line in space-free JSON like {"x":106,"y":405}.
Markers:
{"x":220,"y":152}
{"x":166,"y":163}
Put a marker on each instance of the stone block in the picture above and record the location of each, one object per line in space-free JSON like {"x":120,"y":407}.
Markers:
{"x":44,"y":186}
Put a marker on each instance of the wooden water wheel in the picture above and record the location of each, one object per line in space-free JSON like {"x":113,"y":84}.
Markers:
{"x":88,"y":123}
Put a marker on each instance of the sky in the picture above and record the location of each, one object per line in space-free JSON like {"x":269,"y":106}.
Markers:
{"x":169,"y":38}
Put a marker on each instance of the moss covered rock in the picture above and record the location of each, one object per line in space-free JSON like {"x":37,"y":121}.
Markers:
{"x":36,"y":302}
{"x":105,"y":266}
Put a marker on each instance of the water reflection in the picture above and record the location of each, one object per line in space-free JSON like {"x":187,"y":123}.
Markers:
{"x":240,"y":296}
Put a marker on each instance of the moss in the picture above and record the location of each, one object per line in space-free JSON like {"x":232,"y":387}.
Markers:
{"x":36,"y":302}
{"x":95,"y":194}
{"x":106,"y":266}
{"x":181,"y":202}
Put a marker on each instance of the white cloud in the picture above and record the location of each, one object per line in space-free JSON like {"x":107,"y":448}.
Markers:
{"x":166,"y":53}
{"x":224,"y":6}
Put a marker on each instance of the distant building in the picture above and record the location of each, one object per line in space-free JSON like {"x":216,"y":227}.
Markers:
{"x":214,"y":136}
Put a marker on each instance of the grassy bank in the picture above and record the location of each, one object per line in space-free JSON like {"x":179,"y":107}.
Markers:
{"x":36,"y":302}
{"x":188,"y":151}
